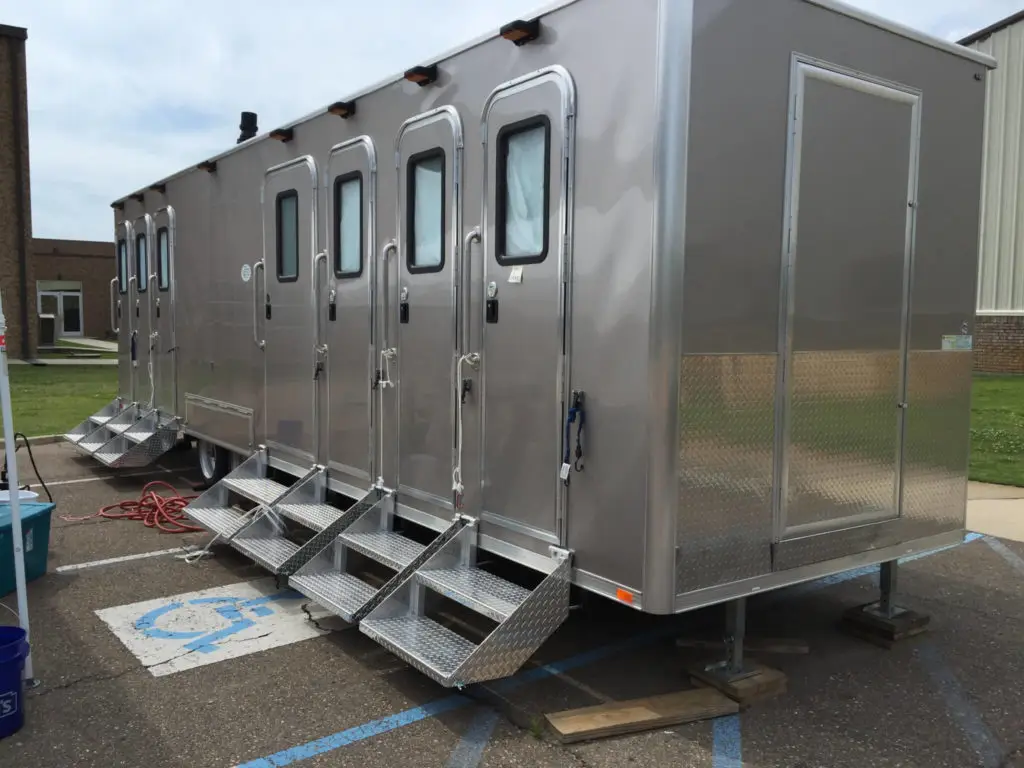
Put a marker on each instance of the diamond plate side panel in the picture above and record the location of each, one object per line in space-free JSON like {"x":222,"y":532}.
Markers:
{"x":843,"y":438}
{"x":937,"y":441}
{"x":326,"y":537}
{"x":514,"y":641}
{"x":726,"y":456}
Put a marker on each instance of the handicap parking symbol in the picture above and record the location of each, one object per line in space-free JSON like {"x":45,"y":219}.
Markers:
{"x":240,"y":613}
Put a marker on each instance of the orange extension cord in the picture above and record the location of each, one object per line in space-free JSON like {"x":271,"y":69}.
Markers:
{"x":167,"y":513}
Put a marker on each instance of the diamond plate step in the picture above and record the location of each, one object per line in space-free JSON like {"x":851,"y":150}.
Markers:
{"x":223,"y":520}
{"x":120,"y":428}
{"x":479,"y":590}
{"x":386,"y":547}
{"x":258,"y":489}
{"x":269,"y":551}
{"x":71,"y":437}
{"x":94,"y":444}
{"x":101,"y":420}
{"x":421,"y":641}
{"x":314,"y":516}
{"x":108,"y":456}
{"x":342,"y":593}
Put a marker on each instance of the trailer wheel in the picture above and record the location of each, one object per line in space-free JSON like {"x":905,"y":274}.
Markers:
{"x":214,"y":461}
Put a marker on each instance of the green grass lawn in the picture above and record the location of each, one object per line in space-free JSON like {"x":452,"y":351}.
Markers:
{"x":50,"y":400}
{"x":997,"y":430}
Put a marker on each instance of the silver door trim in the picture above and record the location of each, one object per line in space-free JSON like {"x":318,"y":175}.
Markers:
{"x":314,"y":186}
{"x":450,"y":115}
{"x":366,"y":143}
{"x":172,"y":288}
{"x":518,"y":527}
{"x":566,"y":85}
{"x":803,"y":67}
{"x":147,"y":220}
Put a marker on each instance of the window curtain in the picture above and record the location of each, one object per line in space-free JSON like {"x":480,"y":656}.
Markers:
{"x":524,"y":194}
{"x":428,"y":181}
{"x":350,"y":227}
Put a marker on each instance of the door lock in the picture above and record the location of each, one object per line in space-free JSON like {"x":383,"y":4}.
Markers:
{"x":158,"y":309}
{"x":332,"y":306}
{"x":467,"y":387}
{"x":268,"y":311}
{"x":492,"y":311}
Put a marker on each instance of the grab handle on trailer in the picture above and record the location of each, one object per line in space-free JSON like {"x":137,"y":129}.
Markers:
{"x":390,"y":248}
{"x":258,"y":266}
{"x":114,"y":324}
{"x":465,"y":284}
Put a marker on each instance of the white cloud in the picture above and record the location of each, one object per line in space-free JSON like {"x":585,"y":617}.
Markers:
{"x":121,"y":94}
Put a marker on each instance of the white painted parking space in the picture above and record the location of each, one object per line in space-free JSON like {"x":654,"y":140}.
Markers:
{"x":172,"y":634}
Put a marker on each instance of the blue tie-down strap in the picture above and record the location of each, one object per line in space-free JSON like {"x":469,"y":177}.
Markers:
{"x":577,"y":415}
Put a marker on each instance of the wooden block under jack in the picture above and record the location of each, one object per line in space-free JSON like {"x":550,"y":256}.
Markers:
{"x":867,"y":623}
{"x":758,"y":683}
{"x":622,"y":717}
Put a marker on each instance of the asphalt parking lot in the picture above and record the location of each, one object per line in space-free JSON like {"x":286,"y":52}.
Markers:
{"x":949,"y":698}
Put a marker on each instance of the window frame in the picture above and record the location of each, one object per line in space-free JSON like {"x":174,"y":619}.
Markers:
{"x":122,"y":266}
{"x":286,"y":194}
{"x":163,"y":281}
{"x":340,"y":181}
{"x":501,"y":190}
{"x":141,"y":275}
{"x":410,"y":215}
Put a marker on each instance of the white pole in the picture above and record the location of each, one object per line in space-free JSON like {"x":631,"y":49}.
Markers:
{"x":12,"y":477}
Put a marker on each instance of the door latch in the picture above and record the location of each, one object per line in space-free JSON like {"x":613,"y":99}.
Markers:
{"x":332,"y":306}
{"x":467,"y":387}
{"x":268,"y":306}
{"x":158,"y":309}
{"x":320,"y":361}
{"x":137,"y":303}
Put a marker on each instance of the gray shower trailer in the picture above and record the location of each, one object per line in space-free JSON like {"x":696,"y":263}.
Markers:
{"x":735,"y":238}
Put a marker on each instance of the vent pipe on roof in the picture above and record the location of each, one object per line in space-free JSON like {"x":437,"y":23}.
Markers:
{"x":247,"y":127}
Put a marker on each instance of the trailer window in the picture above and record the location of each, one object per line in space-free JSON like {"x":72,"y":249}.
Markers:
{"x":122,"y":267}
{"x":163,"y":258}
{"x":141,"y":264}
{"x":348,"y":225}
{"x":288,"y":236}
{"x":524,"y":153}
{"x":426,"y":212}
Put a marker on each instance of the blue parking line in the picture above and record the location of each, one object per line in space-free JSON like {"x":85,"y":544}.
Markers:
{"x":727,"y":745}
{"x":470,"y":750}
{"x":960,"y":707}
{"x":450,"y":703}
{"x":1015,"y":560}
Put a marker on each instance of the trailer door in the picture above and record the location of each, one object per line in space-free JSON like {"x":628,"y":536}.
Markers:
{"x":852,"y":200}
{"x":526,"y":276}
{"x":348,"y":327}
{"x":429,"y":168}
{"x":292,"y":368}
{"x":121,"y":315}
{"x":141,"y":306}
{"x":164,"y":353}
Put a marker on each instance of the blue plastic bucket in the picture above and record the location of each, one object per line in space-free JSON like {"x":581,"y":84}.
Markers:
{"x":13,"y":652}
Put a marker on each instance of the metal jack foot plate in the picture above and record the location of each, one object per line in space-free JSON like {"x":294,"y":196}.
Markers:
{"x":752,"y":683}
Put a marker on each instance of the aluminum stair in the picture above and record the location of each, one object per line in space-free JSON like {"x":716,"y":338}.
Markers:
{"x":122,"y":435}
{"x":525,"y":618}
{"x":97,"y":420}
{"x":262,"y":532}
{"x":329,"y":580}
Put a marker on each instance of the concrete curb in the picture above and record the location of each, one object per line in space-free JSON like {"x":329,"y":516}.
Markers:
{"x":41,"y":440}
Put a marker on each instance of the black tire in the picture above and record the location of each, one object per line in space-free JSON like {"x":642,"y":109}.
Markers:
{"x":214,"y":461}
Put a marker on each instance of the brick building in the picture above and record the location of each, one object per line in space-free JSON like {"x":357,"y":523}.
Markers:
{"x":16,"y":273}
{"x":72,"y":283}
{"x":999,"y":334}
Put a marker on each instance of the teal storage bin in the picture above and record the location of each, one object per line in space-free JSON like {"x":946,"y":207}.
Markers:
{"x":35,"y":529}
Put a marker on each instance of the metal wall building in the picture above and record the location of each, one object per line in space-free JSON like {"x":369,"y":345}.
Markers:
{"x":999,"y":334}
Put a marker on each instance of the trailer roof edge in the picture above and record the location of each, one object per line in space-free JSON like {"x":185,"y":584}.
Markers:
{"x":832,"y":5}
{"x":542,"y":10}
{"x":904,"y":31}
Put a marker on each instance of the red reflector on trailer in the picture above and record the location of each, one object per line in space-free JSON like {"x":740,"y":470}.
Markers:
{"x":624,"y":596}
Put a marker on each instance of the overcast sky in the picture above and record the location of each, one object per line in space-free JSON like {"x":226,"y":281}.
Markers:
{"x":123,"y":93}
